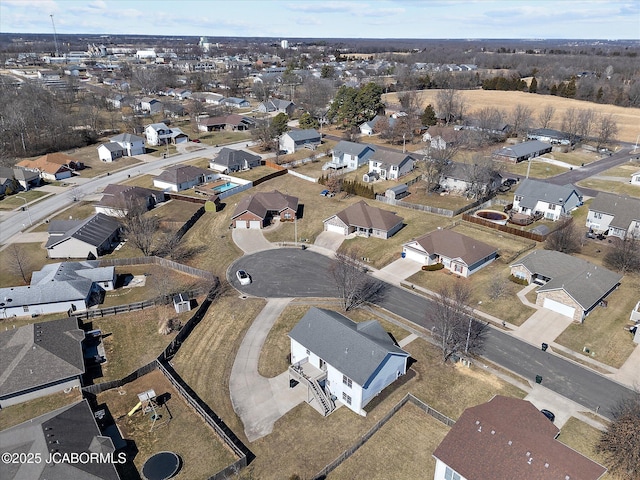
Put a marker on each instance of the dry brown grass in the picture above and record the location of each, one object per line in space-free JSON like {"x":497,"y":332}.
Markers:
{"x":36,"y":259}
{"x":628,"y":119}
{"x":11,"y":202}
{"x":16,"y":414}
{"x":621,"y":188}
{"x":201,"y":450}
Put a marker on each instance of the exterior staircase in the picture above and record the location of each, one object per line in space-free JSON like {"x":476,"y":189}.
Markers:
{"x":323,"y":398}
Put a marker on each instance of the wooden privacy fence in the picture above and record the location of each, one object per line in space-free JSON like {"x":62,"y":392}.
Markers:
{"x":104,"y":386}
{"x":415,"y":206}
{"x":281,"y":171}
{"x":163,"y":262}
{"x":361,"y":441}
{"x":505,"y":228}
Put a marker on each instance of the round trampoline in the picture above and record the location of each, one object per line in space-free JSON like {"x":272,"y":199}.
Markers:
{"x":161,"y":466}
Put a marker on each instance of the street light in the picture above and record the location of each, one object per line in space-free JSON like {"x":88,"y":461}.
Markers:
{"x":26,"y":206}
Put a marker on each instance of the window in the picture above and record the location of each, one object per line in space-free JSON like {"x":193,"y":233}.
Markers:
{"x":451,"y":475}
{"x":308,"y":352}
{"x":552,"y":206}
{"x":597,"y":215}
{"x":517,"y":198}
{"x":347,"y":381}
{"x":287,"y":215}
{"x":25,"y":308}
{"x":347,"y":399}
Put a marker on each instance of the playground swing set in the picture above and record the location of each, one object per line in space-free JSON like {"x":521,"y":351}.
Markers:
{"x":148,"y":404}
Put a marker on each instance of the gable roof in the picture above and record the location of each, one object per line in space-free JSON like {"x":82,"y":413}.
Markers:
{"x":624,"y":209}
{"x":18,"y":173}
{"x":585,"y":282}
{"x":508,"y":438}
{"x":525,"y":148}
{"x":127,"y":138}
{"x":533,"y":191}
{"x":76,"y":431}
{"x":355,"y":349}
{"x":120,"y":196}
{"x":352,"y":148}
{"x":548,"y":132}
{"x":39,"y":354}
{"x":51,"y":163}
{"x":361,"y":214}
{"x":301,"y":135}
{"x":178,"y":174}
{"x":261,"y":203}
{"x":389,"y":157}
{"x":94,"y":230}
{"x":455,"y":245}
{"x":112,"y":147}
{"x":229,"y":157}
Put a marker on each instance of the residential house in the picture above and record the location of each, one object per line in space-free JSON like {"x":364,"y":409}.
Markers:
{"x":363,"y":219}
{"x":232,"y":122}
{"x":117,"y":199}
{"x":276,"y":105}
{"x":160,"y":134}
{"x":522,"y":151}
{"x":182,"y":177}
{"x":615,"y":214}
{"x":181,"y":93}
{"x":548,"y":135}
{"x":150,"y":105}
{"x":569,"y":285}
{"x":369,"y":128}
{"x":553,"y":201}
{"x":458,"y":253}
{"x":235,"y":102}
{"x":635,"y":178}
{"x":89,"y":238}
{"x":229,"y":160}
{"x":493,"y":129}
{"x":352,"y":362}
{"x":350,"y":155}
{"x":440,"y":138}
{"x":388,"y":165}
{"x":45,"y":357}
{"x":506,"y":439}
{"x":294,"y":140}
{"x":132,"y":144}
{"x":51,"y":167}
{"x":58,"y":287}
{"x":74,"y":430}
{"x":463,"y":178}
{"x":109,"y":152}
{"x":15,"y":179}
{"x":258,"y":210}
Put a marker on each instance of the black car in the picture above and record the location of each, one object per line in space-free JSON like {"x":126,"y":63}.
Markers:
{"x":510,"y":181}
{"x":550,"y":415}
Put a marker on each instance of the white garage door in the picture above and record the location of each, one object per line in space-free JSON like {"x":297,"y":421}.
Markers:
{"x":241,"y":224}
{"x":335,"y":228}
{"x":255,"y":224}
{"x":559,"y":307}
{"x":415,"y":256}
{"x":182,"y":139}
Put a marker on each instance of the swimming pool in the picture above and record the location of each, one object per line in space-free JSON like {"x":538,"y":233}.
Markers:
{"x":224,"y":187}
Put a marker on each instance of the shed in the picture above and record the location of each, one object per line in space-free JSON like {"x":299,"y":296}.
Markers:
{"x":397,"y":192}
{"x":181,"y":303}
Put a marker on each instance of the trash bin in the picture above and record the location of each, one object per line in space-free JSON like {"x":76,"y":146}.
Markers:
{"x":403,"y":254}
{"x":544,"y":347}
{"x":303,"y":247}
{"x":538,"y":378}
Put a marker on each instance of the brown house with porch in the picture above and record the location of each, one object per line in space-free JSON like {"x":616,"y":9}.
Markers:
{"x":259,"y":210}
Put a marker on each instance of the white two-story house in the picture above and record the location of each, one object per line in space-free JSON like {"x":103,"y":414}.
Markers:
{"x":388,"y":165}
{"x":553,"y":201}
{"x":350,"y":155}
{"x":131,"y":144}
{"x":619,"y":216}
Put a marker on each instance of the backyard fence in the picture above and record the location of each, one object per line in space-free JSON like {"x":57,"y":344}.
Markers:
{"x":379,"y":424}
{"x":189,"y":223}
{"x":104,"y":386}
{"x":303,"y":177}
{"x":273,"y":165}
{"x":185,"y":198}
{"x":415,"y":206}
{"x":163,"y":262}
{"x":505,"y":228}
{"x":234,"y":190}
{"x":270,"y":176}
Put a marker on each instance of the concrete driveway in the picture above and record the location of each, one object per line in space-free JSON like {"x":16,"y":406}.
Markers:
{"x":250,"y":240}
{"x":563,"y":408}
{"x":543,"y":326}
{"x":399,"y":270}
{"x":329,"y":240}
{"x":260,"y":401}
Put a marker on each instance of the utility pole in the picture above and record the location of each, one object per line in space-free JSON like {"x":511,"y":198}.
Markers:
{"x":55,"y":36}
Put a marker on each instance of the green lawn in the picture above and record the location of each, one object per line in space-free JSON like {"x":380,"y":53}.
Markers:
{"x":621,"y":188}
{"x":539,"y":169}
{"x":625,"y":170}
{"x":575,"y":157}
{"x":11,"y":202}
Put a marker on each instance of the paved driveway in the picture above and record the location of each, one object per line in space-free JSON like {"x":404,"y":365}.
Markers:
{"x":399,"y":269}
{"x":250,"y":240}
{"x":329,"y":240}
{"x":261,"y":401}
{"x":543,"y":326}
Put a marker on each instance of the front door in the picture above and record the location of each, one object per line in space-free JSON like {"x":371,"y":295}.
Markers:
{"x":322,"y":365}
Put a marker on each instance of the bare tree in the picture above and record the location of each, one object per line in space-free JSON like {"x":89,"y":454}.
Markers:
{"x":570,"y":124}
{"x":546,"y":115}
{"x":585,"y":121}
{"x":497,"y":287}
{"x":450,"y":104}
{"x":18,"y":262}
{"x":454,"y":326}
{"x":620,"y":443}
{"x":140,"y":229}
{"x":481,"y":173}
{"x":490,"y":120}
{"x":624,"y":255}
{"x":565,"y":238}
{"x":520,"y":119}
{"x":355,"y":286}
{"x":606,"y":129}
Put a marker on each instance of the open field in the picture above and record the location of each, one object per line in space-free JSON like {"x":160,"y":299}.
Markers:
{"x":603,"y":330}
{"x":201,"y":450}
{"x":400,"y":449}
{"x":16,"y":414}
{"x":628,"y":119}
{"x":303,"y":441}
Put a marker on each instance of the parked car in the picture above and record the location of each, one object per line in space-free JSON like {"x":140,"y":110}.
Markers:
{"x":504,"y":188}
{"x":327,"y":193}
{"x":510,"y":181}
{"x":243,"y":277}
{"x":550,"y":415}
{"x":195,"y":140}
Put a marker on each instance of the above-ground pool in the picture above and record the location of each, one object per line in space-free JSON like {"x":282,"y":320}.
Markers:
{"x":493,"y":216}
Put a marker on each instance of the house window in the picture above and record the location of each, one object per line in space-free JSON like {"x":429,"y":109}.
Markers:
{"x":552,"y":206}
{"x":517,"y":198}
{"x":347,"y":399}
{"x":597,"y":215}
{"x":26,"y":308}
{"x":287,"y":216}
{"x":347,"y":381}
{"x":308,"y":352}
{"x":451,"y":475}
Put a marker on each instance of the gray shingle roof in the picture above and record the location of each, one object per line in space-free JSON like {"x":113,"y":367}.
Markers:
{"x":525,"y":148}
{"x":532,"y":191}
{"x":112,"y":147}
{"x":301,"y":135}
{"x":455,"y":245}
{"x":585,"y":282}
{"x":35,"y":355}
{"x":351,"y":148}
{"x":355,"y":349}
{"x":76,"y":431}
{"x":390,"y":157}
{"x":624,"y":209}
{"x":362,"y":215}
{"x":94,"y":230}
{"x":263,"y":202}
{"x":232,"y":158}
{"x":178,"y":174}
{"x":127,"y":138}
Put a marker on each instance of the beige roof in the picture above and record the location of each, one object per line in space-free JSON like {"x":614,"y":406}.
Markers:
{"x":50,"y":163}
{"x":455,"y":245}
{"x":362,"y":215}
{"x":507,"y":439}
{"x":261,"y":203}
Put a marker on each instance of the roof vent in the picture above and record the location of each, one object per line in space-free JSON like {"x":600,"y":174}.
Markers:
{"x":546,"y":465}
{"x":346,"y":350}
{"x":528,"y":454}
{"x":509,"y":442}
{"x":493,"y":432}
{"x":530,"y":460}
{"x":480,"y":428}
{"x":477,"y":422}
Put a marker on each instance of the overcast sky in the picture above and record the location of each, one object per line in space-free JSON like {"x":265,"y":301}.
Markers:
{"x":579,"y":19}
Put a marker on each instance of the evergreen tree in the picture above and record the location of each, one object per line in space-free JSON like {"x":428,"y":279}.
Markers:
{"x":279,"y":124}
{"x":307,"y":121}
{"x":533,"y":86}
{"x":428,"y":117}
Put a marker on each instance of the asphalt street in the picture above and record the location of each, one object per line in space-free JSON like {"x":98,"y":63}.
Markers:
{"x":290,"y":272}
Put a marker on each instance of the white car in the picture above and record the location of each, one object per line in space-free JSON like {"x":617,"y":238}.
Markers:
{"x":243,"y":277}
